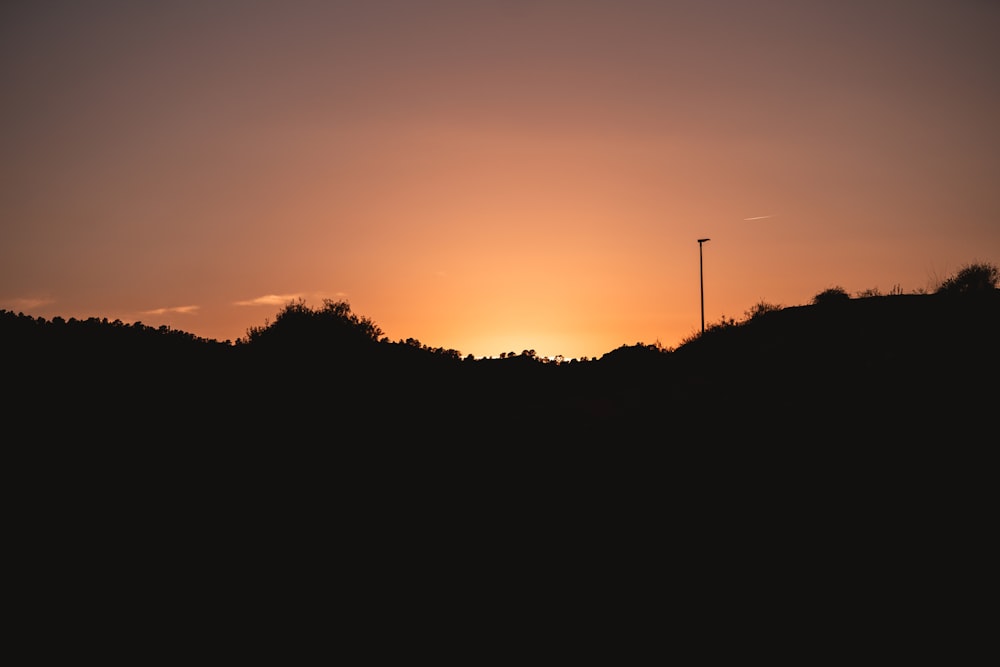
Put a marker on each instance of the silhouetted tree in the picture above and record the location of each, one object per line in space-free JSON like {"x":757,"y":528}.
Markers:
{"x":332,"y":327}
{"x":340,"y":312}
{"x":975,"y":278}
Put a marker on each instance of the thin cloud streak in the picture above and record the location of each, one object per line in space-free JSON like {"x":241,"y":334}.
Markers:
{"x":30,"y":304}
{"x":270,"y":300}
{"x":184,"y":310}
{"x":759,"y":217}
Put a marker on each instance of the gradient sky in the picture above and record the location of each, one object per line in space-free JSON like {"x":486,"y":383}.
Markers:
{"x":491,"y":175}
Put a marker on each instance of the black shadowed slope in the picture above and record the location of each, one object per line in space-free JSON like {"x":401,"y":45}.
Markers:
{"x":874,"y":368}
{"x":820,"y":458}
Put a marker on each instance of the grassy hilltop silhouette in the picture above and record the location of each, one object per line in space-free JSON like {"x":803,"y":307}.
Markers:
{"x":840,"y":450}
{"x":867,"y":367}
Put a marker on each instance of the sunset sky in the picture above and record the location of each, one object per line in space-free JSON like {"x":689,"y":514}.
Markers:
{"x":491,"y":175}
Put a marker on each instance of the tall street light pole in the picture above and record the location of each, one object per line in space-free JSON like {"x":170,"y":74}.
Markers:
{"x":701,"y":276}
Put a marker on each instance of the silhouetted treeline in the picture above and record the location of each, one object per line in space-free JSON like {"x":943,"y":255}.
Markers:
{"x":873,"y":367}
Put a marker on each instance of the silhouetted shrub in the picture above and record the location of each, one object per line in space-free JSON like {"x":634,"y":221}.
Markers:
{"x":639,"y":351}
{"x":712,"y":328}
{"x":977,"y":278}
{"x":896,"y":290}
{"x":334,"y":323}
{"x":760,"y":308}
{"x":831,"y":295}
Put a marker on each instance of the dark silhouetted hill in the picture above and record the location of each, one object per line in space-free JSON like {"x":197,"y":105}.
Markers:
{"x":859,"y":369}
{"x":841,"y":450}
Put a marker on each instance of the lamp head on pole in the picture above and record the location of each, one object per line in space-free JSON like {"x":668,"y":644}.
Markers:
{"x":703,"y":240}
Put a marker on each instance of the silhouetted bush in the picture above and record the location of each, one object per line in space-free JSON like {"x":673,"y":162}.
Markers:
{"x":761,"y":308}
{"x":332,"y":325}
{"x":642,"y":351}
{"x":831,"y":295}
{"x":977,"y":278}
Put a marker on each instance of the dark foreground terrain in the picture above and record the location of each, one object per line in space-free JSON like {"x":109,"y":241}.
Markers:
{"x":901,"y":368}
{"x":811,"y":478}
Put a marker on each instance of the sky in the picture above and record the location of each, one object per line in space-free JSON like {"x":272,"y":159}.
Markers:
{"x":491,"y":176}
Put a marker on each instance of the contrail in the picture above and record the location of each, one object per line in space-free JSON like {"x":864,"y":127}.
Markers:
{"x":759,"y":217}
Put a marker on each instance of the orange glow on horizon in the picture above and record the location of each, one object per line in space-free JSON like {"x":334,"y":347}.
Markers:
{"x":491,"y":177}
